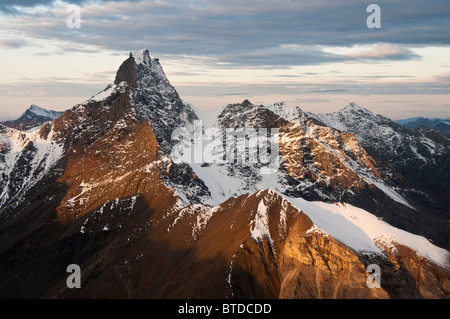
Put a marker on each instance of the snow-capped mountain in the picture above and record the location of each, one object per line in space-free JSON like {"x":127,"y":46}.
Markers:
{"x":33,"y":117}
{"x":101,"y":187}
{"x":417,"y":158}
{"x":327,"y":163}
{"x":39,"y":111}
{"x":25,"y":158}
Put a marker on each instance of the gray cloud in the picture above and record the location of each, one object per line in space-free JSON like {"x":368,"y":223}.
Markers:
{"x":303,"y":100}
{"x":327,"y":91}
{"x":237,"y":93}
{"x":252,"y":33}
{"x":11,"y":6}
{"x":15,"y":44}
{"x":331,"y":88}
{"x":51,"y":87}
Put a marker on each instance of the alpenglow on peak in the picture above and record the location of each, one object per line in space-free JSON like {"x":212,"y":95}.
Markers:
{"x":143,"y":72}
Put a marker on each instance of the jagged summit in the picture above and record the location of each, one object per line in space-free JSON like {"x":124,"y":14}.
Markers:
{"x":353,"y":107}
{"x":350,"y":113}
{"x":44,"y":112}
{"x":128,"y":71}
{"x":293,"y":114}
{"x":143,"y":72}
{"x":34,"y":111}
{"x":141,"y":57}
{"x":144,"y":86}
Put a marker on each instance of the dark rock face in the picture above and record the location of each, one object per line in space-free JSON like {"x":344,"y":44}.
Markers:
{"x":326,"y":164}
{"x":127,"y":72}
{"x":130,"y":254}
{"x":416,"y":161}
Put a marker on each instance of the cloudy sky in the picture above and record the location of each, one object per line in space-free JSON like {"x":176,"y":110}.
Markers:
{"x":319,"y":55}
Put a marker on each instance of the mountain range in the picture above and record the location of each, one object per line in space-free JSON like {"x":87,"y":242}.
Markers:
{"x":99,"y":186}
{"x":440,"y":125}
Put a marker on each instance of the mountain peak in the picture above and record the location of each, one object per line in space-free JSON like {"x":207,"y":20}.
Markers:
{"x":293,"y":114}
{"x":353,"y":107}
{"x":246,"y":102}
{"x":39,"y":111}
{"x":127,"y":72}
{"x":35,"y":110}
{"x":32,"y":117}
{"x":141,"y":57}
{"x":143,"y":72}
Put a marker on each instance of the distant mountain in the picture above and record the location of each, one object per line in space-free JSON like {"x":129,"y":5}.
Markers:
{"x":33,"y":117}
{"x":440,"y":125}
{"x":102,"y":187}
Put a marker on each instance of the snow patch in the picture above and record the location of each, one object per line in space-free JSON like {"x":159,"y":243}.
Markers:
{"x":141,"y":57}
{"x":261,"y":224}
{"x":364,"y":232}
{"x":39,"y":111}
{"x":104,"y":94}
{"x":202,"y":220}
{"x":42,"y":157}
{"x":316,"y":230}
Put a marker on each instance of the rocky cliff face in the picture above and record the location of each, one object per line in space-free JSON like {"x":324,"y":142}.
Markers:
{"x":98,"y":187}
{"x":320,"y":162}
{"x":418,"y":159}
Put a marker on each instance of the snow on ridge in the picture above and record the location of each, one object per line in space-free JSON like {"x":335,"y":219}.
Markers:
{"x":353,"y":106}
{"x":149,"y":68}
{"x":261,"y":223}
{"x":202,"y":220}
{"x":316,"y":230}
{"x":202,"y":212}
{"x":108,"y":91}
{"x":100,"y":96}
{"x":291,"y":114}
{"x":364,"y":232}
{"x":335,"y":119}
{"x":332,"y":223}
{"x":158,"y":70}
{"x":39,"y":111}
{"x":141,"y":56}
{"x":354,"y":227}
{"x":46,"y":153}
{"x":389,"y":191}
{"x":332,"y":120}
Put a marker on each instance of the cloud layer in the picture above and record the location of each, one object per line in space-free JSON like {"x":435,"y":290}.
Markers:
{"x":247,"y":33}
